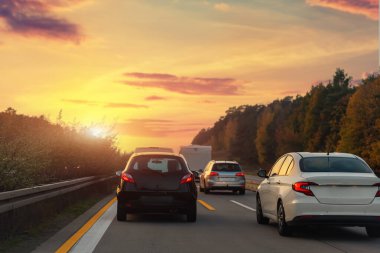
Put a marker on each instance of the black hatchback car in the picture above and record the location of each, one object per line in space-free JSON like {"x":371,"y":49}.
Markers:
{"x":156,"y":182}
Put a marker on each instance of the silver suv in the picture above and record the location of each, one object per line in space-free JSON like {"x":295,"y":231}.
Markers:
{"x":222,"y":175}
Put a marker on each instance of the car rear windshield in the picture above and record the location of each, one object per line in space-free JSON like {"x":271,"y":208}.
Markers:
{"x":227,"y":167}
{"x":334,"y":164}
{"x":161,"y":164}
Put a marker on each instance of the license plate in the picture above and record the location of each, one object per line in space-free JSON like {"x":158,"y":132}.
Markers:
{"x":227,"y":179}
{"x":156,"y":200}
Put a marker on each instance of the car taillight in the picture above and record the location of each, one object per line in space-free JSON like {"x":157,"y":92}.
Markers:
{"x":187,"y":178}
{"x":214,"y":174}
{"x":304,"y":187}
{"x":127,"y":178}
{"x":378,"y":190}
{"x":239,"y":174}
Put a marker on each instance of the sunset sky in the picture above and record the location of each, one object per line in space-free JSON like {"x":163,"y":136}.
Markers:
{"x":160,"y":70}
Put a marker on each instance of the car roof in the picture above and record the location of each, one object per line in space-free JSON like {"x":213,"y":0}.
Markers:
{"x":153,"y":149}
{"x":320,"y":154}
{"x":235,"y":162}
{"x":156,"y":153}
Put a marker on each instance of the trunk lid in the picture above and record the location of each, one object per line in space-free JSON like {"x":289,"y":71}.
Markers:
{"x":343,"y":188}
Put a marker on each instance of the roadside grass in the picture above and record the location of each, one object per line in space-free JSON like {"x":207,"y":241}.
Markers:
{"x":29,"y":239}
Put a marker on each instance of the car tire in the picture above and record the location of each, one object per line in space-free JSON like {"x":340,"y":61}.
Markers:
{"x":241,"y":191}
{"x":373,"y":231}
{"x":121,"y":214}
{"x":200,"y":187}
{"x":283,"y":228}
{"x":207,"y":191}
{"x":259,"y":213}
{"x":191,"y":216}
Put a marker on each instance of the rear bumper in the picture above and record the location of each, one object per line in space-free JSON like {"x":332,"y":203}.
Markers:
{"x":306,"y":206}
{"x":227,"y":187}
{"x":155,"y":202}
{"x":336,"y":220}
{"x":220,"y":185}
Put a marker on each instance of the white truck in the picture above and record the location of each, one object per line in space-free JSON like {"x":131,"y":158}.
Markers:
{"x":196,"y":156}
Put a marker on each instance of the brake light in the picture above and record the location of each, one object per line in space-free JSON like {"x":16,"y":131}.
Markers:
{"x":187,"y":178}
{"x":214,"y":174}
{"x":378,"y":190}
{"x":239,"y":174}
{"x":304,"y":187}
{"x":127,"y":178}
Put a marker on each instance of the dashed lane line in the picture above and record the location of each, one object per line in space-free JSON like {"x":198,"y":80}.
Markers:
{"x":208,"y":206}
{"x":242,"y":205}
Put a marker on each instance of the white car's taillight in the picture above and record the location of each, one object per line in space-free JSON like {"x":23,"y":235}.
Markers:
{"x":304,"y":187}
{"x":378,"y":190}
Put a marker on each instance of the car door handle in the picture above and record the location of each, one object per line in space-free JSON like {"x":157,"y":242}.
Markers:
{"x":278,"y":182}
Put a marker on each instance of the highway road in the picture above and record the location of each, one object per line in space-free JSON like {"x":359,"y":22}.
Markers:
{"x":230,"y":227}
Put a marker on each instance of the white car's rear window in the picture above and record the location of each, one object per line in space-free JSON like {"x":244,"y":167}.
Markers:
{"x":334,"y":164}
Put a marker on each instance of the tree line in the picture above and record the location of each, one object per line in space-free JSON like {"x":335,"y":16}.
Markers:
{"x":340,"y":115}
{"x":35,"y":151}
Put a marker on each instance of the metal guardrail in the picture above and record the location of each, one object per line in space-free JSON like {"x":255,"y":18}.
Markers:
{"x":15,"y":199}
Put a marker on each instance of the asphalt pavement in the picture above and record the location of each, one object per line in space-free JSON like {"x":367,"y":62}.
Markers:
{"x":231,"y":227}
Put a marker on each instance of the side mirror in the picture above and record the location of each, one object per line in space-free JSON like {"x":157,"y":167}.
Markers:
{"x":118,"y":173}
{"x":262,"y":173}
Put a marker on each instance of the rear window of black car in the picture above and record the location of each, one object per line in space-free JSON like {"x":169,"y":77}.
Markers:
{"x":157,"y":163}
{"x":334,"y":164}
{"x":227,"y":167}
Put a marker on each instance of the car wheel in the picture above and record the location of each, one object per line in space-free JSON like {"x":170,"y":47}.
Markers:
{"x":207,"y":191}
{"x":121,"y":214}
{"x":201,"y":189}
{"x":283,"y":228}
{"x":191,"y":216}
{"x":241,"y":191}
{"x":259,"y":213}
{"x":373,"y":231}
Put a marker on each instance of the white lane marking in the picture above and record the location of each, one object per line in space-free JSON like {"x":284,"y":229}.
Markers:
{"x":240,"y":204}
{"x":89,"y":240}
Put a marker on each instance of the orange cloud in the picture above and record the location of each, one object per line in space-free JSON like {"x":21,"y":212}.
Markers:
{"x":110,"y":105}
{"x":156,"y":128}
{"x":183,"y":84}
{"x":223,"y":7}
{"x":368,"y":8}
{"x":35,"y":18}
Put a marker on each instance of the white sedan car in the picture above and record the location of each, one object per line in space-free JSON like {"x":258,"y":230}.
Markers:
{"x":319,"y":189}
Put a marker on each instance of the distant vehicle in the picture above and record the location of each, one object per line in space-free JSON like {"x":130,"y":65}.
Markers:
{"x":197,"y":157}
{"x":222,"y":175}
{"x":319,"y":189}
{"x":153,"y":149}
{"x":156,"y":182}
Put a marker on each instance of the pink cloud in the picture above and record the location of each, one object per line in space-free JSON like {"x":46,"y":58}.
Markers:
{"x":153,"y":98}
{"x":183,"y":84}
{"x":36,"y":18}
{"x":368,"y":8}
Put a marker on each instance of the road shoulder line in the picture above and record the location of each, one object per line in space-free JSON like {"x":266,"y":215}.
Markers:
{"x":242,"y":205}
{"x":75,"y":238}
